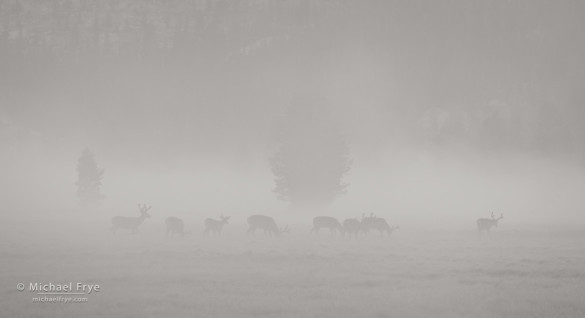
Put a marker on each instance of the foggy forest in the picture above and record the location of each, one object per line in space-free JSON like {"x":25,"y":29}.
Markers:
{"x":292,"y":158}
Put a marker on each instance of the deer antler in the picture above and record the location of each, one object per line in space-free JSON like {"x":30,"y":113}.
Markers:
{"x":143,"y":207}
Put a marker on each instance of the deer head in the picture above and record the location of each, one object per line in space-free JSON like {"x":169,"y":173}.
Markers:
{"x":496,"y":220}
{"x":143,"y":209}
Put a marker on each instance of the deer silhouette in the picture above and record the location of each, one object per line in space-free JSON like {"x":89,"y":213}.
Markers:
{"x":175,"y":225}
{"x":327,"y":222}
{"x":215,"y":226}
{"x":376,"y":223}
{"x":265,"y":223}
{"x":352,"y":227}
{"x":130,"y":223}
{"x":484,"y":225}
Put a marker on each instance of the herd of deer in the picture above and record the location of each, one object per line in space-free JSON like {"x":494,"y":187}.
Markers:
{"x":350,"y":227}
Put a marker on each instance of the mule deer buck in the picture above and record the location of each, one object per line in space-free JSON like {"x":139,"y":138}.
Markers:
{"x":375,"y":223}
{"x":353,"y":227}
{"x":130,"y":223}
{"x":327,"y":222}
{"x":215,"y":226}
{"x":265,"y":223}
{"x":175,"y":225}
{"x":484,"y":225}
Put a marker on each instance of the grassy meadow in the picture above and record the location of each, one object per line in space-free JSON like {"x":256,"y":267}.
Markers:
{"x":436,"y":273}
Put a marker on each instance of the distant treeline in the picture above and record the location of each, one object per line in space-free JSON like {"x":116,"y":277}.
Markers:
{"x":494,"y":75}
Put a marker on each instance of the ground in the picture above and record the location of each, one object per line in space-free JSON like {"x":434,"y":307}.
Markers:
{"x":434,"y":273}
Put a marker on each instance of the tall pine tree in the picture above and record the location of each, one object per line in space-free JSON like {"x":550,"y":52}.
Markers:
{"x":89,"y":180}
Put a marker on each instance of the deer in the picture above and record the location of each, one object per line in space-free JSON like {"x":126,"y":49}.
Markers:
{"x":130,"y":223}
{"x":215,"y":226}
{"x":375,"y":223}
{"x":328,"y":222}
{"x":265,"y":223}
{"x":353,"y":227}
{"x":484,"y":225}
{"x":175,"y":225}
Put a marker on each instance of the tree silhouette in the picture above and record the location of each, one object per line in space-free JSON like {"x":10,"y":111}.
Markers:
{"x":312,"y":155}
{"x":89,"y":180}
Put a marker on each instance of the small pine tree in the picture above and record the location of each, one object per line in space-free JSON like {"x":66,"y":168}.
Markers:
{"x":89,"y":180}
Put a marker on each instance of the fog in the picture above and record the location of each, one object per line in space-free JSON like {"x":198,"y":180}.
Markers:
{"x":430,"y":115}
{"x":417,"y":188}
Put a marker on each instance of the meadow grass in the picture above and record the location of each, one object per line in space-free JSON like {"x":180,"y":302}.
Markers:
{"x":412,"y":274}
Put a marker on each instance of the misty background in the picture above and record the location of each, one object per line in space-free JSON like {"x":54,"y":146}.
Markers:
{"x":450,"y":109}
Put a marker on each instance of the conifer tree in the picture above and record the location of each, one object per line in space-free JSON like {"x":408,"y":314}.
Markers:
{"x":89,"y":180}
{"x":312,"y":155}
